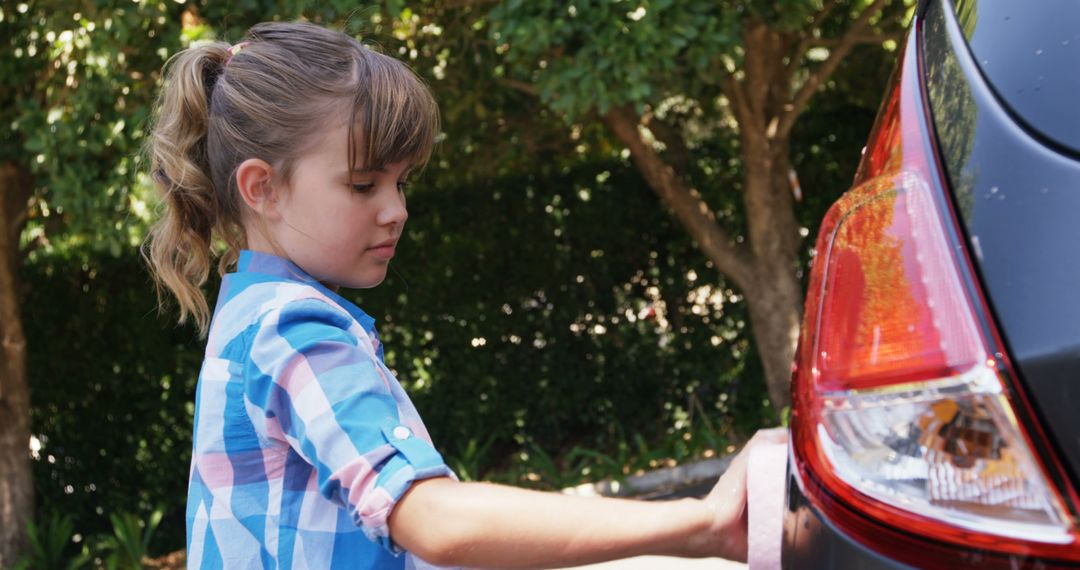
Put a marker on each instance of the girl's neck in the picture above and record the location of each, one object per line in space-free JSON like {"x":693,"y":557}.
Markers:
{"x":256,"y":242}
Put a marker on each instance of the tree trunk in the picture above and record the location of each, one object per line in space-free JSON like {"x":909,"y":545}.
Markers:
{"x":16,"y":484}
{"x":775,"y":296}
{"x":775,"y":304}
{"x":765,"y":270}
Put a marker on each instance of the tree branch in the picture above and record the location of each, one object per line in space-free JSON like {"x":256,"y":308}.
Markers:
{"x":672,"y":138}
{"x":826,"y":9}
{"x":523,"y":87}
{"x":744,"y":116}
{"x":865,"y":38}
{"x":813,"y":32}
{"x":759,"y":65}
{"x":826,"y":69}
{"x":459,"y":4}
{"x":687,"y":204}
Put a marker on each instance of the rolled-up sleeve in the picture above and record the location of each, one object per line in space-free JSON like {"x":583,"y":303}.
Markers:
{"x":316,"y":381}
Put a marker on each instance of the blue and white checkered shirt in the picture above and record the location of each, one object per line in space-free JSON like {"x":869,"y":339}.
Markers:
{"x":304,"y":440}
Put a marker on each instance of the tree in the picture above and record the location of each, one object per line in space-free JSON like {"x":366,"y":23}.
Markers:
{"x":16,"y":489}
{"x":75,"y":93}
{"x":667,"y":79}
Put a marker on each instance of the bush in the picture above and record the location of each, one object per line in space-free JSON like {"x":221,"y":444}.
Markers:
{"x":543,"y":326}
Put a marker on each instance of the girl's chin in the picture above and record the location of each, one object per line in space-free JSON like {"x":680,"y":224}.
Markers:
{"x":367,"y":281}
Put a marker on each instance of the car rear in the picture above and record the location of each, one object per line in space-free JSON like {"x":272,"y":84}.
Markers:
{"x":936,"y":397}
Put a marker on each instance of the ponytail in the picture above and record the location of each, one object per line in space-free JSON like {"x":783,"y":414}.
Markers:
{"x":177,"y":248}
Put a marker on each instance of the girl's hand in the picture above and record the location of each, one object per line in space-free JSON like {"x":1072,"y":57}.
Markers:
{"x":727,"y":501}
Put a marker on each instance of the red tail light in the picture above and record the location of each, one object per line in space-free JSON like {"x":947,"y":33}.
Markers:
{"x":905,"y":431}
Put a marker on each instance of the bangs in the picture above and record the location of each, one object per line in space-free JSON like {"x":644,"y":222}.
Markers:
{"x":394,"y":115}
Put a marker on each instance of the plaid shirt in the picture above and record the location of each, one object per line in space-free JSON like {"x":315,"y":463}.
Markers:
{"x":304,"y":440}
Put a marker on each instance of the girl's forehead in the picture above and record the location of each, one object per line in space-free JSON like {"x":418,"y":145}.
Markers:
{"x":333,"y":145}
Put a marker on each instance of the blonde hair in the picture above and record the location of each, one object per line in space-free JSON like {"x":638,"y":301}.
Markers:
{"x":265,"y":98}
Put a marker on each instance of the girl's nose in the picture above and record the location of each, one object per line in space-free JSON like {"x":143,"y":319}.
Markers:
{"x":392,"y":210}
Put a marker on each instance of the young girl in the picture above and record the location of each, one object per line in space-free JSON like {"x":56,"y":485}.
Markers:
{"x":293,"y":148}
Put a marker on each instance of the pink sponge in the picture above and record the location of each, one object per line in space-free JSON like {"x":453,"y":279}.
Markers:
{"x":766,"y":475}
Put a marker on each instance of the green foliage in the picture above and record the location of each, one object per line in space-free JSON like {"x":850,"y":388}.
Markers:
{"x":130,"y":543}
{"x":125,"y":549}
{"x":466,"y":463}
{"x":596,"y":55}
{"x":111,"y":388}
{"x":77,"y":92}
{"x":593,"y":55}
{"x":51,"y":545}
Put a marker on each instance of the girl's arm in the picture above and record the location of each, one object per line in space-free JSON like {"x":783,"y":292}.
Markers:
{"x":486,"y":525}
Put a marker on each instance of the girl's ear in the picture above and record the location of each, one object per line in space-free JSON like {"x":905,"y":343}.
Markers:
{"x":254,"y":179}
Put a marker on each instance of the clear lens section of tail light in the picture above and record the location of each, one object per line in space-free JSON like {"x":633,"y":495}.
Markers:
{"x":945,"y":449}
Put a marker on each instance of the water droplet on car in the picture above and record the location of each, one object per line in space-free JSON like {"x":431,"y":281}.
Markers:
{"x":994,"y":190}
{"x":1038,"y":52}
{"x":978,"y":247}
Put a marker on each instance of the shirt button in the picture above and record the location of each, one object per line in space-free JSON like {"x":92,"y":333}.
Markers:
{"x":402,"y":432}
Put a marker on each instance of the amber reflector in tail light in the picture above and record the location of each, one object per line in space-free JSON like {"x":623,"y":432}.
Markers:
{"x":902,"y":419}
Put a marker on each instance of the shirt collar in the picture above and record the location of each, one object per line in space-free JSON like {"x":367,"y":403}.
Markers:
{"x":269,"y":264}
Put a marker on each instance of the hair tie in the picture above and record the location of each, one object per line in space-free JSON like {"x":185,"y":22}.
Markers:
{"x":233,"y":50}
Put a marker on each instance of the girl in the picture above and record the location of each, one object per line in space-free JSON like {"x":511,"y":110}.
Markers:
{"x":293,"y":148}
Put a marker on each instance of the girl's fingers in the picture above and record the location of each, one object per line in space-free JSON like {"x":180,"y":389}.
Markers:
{"x":771,"y":435}
{"x":728,"y":497}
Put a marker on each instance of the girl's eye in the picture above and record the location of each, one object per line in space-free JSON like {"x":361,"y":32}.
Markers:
{"x":368,"y":187}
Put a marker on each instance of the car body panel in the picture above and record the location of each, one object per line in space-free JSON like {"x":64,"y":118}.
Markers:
{"x":1029,"y":53}
{"x":811,"y":541}
{"x":1019,"y":203}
